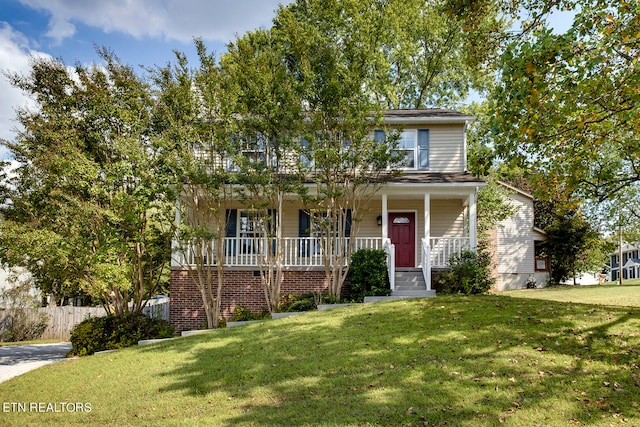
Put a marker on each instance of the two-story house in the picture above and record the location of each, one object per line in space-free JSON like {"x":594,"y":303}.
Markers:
{"x":630,"y":262}
{"x":420,"y":218}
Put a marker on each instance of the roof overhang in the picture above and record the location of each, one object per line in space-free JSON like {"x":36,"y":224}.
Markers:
{"x":427,"y":116}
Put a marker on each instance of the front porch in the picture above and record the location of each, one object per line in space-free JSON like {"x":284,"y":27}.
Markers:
{"x":419,"y":223}
{"x":307,"y":251}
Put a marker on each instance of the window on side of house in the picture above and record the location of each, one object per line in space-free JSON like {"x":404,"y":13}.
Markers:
{"x":305,"y":155}
{"x":413,"y":148}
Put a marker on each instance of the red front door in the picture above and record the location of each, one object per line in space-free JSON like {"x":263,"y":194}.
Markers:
{"x":402,"y":231}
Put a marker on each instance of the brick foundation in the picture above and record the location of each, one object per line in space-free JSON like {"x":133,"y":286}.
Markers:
{"x":240,"y":287}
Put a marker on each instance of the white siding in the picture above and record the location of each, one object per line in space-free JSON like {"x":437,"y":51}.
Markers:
{"x":446,"y":146}
{"x":515,"y":239}
{"x":516,"y":246}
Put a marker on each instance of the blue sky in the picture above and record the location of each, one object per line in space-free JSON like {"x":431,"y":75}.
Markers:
{"x":140,"y":32}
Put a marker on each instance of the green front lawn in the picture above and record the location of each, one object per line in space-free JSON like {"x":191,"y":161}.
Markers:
{"x":460,"y":361}
{"x":607,"y":294}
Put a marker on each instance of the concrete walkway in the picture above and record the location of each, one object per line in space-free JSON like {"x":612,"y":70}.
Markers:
{"x":17,"y":359}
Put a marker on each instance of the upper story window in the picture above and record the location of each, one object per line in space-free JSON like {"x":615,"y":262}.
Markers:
{"x":255,"y":148}
{"x":413,"y":147}
{"x":331,"y":141}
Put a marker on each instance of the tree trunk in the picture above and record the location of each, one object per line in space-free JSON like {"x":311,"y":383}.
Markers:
{"x":620,"y":256}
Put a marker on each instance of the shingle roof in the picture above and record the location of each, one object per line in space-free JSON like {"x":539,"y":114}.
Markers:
{"x":436,"y":178}
{"x":427,"y":112}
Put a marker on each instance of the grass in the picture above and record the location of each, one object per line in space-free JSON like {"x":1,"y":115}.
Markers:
{"x":464,"y":361}
{"x":607,"y":294}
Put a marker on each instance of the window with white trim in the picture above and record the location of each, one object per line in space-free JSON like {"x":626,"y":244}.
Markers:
{"x":255,"y":148}
{"x":413,"y":148}
{"x":252,"y":229}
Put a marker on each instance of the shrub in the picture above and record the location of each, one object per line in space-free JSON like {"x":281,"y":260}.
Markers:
{"x":18,"y":324}
{"x":111,"y":332}
{"x":21,"y":321}
{"x":299,"y":302}
{"x":468,"y":274}
{"x":368,"y":274}
{"x":242,"y":313}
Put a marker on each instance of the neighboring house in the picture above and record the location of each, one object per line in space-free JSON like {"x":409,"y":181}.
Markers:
{"x":518,"y":258}
{"x":586,"y":278}
{"x":420,"y":218}
{"x":630,"y":262}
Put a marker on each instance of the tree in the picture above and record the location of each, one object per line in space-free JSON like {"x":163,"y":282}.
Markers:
{"x":567,"y":104}
{"x":574,"y":245}
{"x":412,"y":54}
{"x":194,"y":120}
{"x":21,"y":320}
{"x":89,"y":205}
{"x":342,"y":160}
{"x":268,"y":123}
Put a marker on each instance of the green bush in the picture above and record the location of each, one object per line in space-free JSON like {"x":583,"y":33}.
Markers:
{"x":21,"y":320}
{"x":17,"y":325}
{"x":368,"y":274}
{"x":468,"y":274}
{"x":299,"y":302}
{"x":242,"y":313}
{"x":111,"y":332}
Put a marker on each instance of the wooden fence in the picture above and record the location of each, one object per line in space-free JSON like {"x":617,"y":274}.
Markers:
{"x":63,"y":319}
{"x":157,"y":308}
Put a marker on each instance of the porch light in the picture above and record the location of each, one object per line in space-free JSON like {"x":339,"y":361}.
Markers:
{"x":379,"y":220}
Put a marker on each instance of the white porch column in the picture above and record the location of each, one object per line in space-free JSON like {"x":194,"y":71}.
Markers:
{"x":385,"y":218}
{"x":473,"y":220}
{"x":427,"y":217}
{"x":426,"y":258}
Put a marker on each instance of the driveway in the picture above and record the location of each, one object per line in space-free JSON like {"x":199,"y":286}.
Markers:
{"x":18,"y":359}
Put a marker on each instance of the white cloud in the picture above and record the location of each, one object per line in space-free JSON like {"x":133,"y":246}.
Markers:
{"x":181,"y":20}
{"x":15,"y":52}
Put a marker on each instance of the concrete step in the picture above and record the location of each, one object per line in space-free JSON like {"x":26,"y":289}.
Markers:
{"x":410,"y":280}
{"x":409,"y":286}
{"x":412,"y":293}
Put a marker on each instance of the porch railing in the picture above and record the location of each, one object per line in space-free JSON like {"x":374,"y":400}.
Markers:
{"x":390,"y":250}
{"x":426,"y":263}
{"x":441,"y":249}
{"x":308,"y":251}
{"x":247,"y":251}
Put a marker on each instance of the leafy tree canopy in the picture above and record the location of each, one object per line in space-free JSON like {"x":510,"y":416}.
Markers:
{"x":88,"y":207}
{"x":567,"y":105}
{"x":411,"y":53}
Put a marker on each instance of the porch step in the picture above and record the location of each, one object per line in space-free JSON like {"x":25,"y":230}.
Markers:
{"x":409,"y":283}
{"x":409,"y":280}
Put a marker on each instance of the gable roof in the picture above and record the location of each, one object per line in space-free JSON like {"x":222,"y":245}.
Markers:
{"x":516,"y":190}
